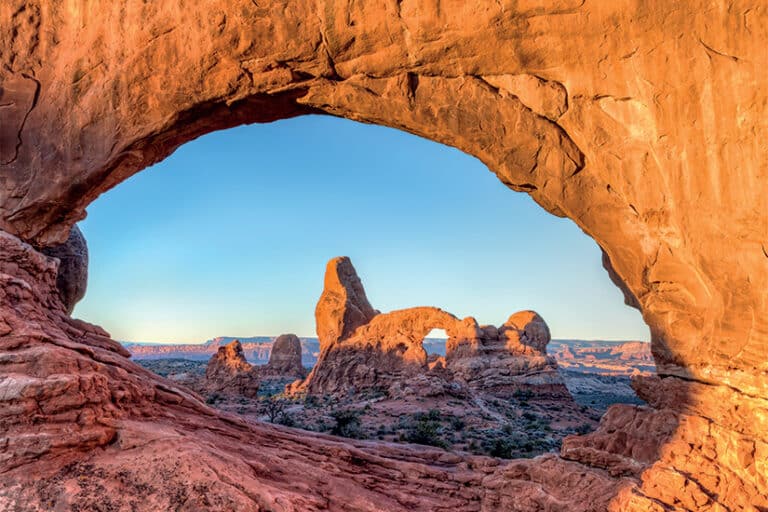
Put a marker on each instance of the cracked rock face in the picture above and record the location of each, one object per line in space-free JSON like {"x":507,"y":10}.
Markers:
{"x":644,"y":124}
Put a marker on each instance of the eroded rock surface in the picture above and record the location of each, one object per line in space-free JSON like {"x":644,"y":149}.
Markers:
{"x":343,"y":306}
{"x":284,"y":359}
{"x":66,"y":389}
{"x":644,"y":124}
{"x":387,"y":352}
{"x":72,"y":277}
{"x":229,"y":373}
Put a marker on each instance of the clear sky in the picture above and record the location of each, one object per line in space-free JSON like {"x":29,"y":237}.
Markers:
{"x":229,"y":236}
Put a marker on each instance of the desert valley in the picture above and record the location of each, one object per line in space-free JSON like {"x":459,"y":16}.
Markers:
{"x":485,"y":390}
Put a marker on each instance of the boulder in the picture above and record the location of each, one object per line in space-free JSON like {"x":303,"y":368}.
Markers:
{"x":72,"y":276}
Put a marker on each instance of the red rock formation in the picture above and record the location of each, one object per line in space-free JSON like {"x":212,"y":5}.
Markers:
{"x":229,"y":373}
{"x":72,"y":278}
{"x":285,"y":359}
{"x":644,"y":123}
{"x":343,"y":306}
{"x":84,"y":428}
{"x":388,"y":351}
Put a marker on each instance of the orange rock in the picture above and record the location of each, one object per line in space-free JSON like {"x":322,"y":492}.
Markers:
{"x":388,"y":351}
{"x":284,"y":359}
{"x":644,"y":125}
{"x":229,"y":373}
{"x":343,"y":306}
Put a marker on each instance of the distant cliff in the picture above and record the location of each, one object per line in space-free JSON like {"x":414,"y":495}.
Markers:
{"x":606,"y":357}
{"x":256,"y":349}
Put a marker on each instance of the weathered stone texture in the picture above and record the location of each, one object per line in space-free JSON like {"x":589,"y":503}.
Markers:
{"x":643,"y":122}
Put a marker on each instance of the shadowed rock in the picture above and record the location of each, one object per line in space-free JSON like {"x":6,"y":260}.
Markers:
{"x":229,"y":373}
{"x":284,"y":359}
{"x":72,"y":277}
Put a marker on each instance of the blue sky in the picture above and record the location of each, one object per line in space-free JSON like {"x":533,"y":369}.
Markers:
{"x":231,"y":233}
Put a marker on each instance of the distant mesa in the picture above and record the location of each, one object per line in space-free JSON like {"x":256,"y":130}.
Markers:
{"x":257,"y":349}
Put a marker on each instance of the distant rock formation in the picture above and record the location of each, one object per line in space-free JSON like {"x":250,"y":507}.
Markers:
{"x":364,"y":349}
{"x":343,"y":306}
{"x":285,"y":359}
{"x":257,"y":349}
{"x":229,"y":373}
{"x":608,"y":358}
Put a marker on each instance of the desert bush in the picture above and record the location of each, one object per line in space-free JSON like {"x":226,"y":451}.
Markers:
{"x":523,"y":394}
{"x":425,"y":429}
{"x":347,"y":423}
{"x":457,"y":423}
{"x":273,"y":407}
{"x":286,"y":419}
{"x":502,"y":447}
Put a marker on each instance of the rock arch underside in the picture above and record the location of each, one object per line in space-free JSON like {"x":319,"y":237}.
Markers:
{"x":643,"y":122}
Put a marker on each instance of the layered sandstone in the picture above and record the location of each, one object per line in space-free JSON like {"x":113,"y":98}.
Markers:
{"x":642,"y":122}
{"x":229,"y":373}
{"x":387,"y":352}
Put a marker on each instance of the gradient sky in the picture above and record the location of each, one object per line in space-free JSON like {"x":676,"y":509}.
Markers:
{"x":230,"y":236}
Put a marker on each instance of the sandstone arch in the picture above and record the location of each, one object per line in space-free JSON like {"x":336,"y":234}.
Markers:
{"x":642,"y":122}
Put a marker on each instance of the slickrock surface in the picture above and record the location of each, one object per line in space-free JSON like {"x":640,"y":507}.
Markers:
{"x":642,"y":122}
{"x":229,"y":373}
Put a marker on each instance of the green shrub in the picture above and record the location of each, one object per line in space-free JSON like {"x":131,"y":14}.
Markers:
{"x":426,"y":429}
{"x":347,"y":423}
{"x":502,"y":447}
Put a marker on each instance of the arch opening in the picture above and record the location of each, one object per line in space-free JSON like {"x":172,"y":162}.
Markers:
{"x":522,"y":432}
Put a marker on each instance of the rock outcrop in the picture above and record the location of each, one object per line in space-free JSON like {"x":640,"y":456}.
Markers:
{"x":571,"y":102}
{"x":284,"y":359}
{"x":388,"y":350}
{"x":343,"y":306}
{"x":72,"y":276}
{"x":229,"y":373}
